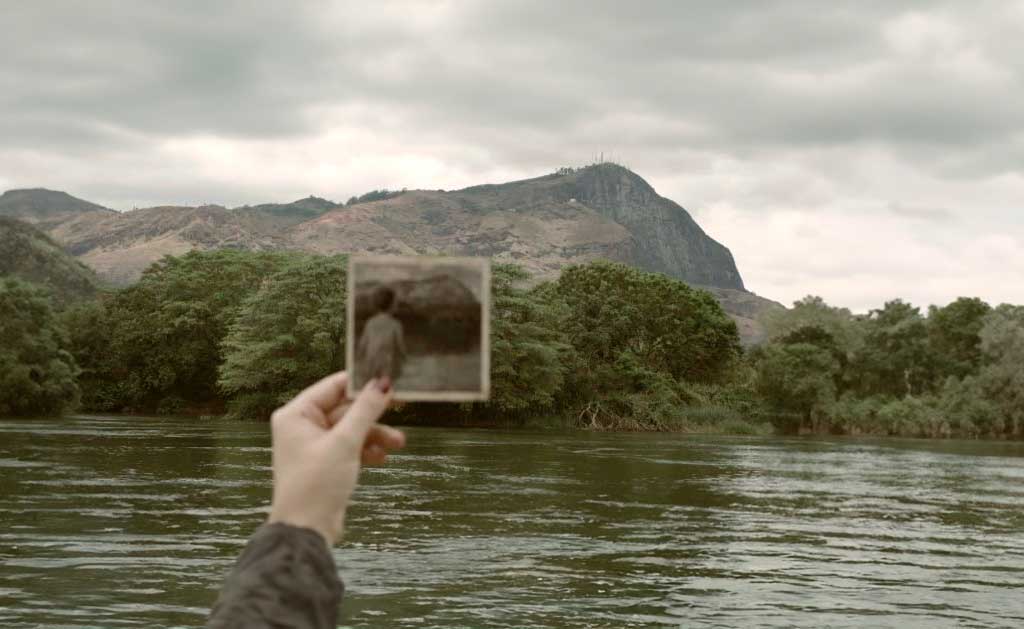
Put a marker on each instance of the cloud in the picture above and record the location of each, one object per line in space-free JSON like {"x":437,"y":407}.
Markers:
{"x":899,"y":114}
{"x":920,"y":212}
{"x":862,"y":261}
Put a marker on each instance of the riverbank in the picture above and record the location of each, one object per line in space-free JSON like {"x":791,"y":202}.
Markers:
{"x":708,"y":421}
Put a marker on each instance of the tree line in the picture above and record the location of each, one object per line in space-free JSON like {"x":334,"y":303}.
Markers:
{"x":240,"y":332}
{"x":955,"y":371}
{"x":604,"y":346}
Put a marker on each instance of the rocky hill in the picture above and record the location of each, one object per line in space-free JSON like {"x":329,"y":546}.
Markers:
{"x":545,"y":223}
{"x":46,"y":208}
{"x":29,"y":254}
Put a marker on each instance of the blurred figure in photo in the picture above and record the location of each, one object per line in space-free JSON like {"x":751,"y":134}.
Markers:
{"x":381,"y":351}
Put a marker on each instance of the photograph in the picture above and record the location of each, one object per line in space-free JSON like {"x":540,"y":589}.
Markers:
{"x":423,"y":322}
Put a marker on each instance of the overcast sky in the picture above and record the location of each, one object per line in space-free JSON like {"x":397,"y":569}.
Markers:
{"x":860,"y":151}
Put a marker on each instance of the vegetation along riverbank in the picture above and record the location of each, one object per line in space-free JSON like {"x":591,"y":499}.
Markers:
{"x":604,"y":346}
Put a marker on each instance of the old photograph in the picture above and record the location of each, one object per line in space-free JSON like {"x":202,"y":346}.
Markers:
{"x":423,"y":322}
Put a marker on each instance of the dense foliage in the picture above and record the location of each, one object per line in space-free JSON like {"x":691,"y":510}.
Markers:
{"x":661,"y":323}
{"x":243,"y":331}
{"x":156,"y":345}
{"x":953,"y":373}
{"x":37,"y":373}
{"x":638,"y":339}
{"x":286,"y":334}
{"x":605,"y":346}
{"x":530,"y":354}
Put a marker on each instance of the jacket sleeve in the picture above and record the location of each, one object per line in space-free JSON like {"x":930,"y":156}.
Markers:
{"x":286,"y":577}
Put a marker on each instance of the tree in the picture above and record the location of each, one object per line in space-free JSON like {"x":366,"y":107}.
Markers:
{"x":90,"y":340}
{"x":893,"y":359}
{"x":821,"y":338}
{"x":639,"y":340}
{"x":286,"y":335}
{"x":37,"y":373}
{"x":529,"y":355}
{"x":967,"y":408}
{"x":1001,"y":379}
{"x":663,"y":323}
{"x":812,"y":311}
{"x":953,"y":337}
{"x":166,"y":330}
{"x":797,"y":379}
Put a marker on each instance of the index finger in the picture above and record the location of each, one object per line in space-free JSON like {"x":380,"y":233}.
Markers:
{"x":326,"y":394}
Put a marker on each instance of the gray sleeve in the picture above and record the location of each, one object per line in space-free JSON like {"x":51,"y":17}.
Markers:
{"x":286,"y":577}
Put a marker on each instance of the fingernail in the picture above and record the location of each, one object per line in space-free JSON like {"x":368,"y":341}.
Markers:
{"x":384,"y":384}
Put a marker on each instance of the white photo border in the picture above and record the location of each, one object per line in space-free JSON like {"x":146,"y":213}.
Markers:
{"x":484,"y":265}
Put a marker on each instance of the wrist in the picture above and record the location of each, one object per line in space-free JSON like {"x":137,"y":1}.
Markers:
{"x":326,"y":532}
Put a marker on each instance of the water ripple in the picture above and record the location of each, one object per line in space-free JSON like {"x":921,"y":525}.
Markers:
{"x":131,"y":522}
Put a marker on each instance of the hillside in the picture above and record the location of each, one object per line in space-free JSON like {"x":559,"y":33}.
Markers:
{"x":120,"y":246}
{"x":46,"y":208}
{"x":284,"y":215}
{"x":31,"y":255}
{"x":544,"y":223}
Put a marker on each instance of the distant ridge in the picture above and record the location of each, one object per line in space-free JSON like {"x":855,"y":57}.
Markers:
{"x":545,"y":223}
{"x":294,"y":212}
{"x":42,"y":206}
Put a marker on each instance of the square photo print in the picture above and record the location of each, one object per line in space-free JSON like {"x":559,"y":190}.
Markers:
{"x":422,"y":321}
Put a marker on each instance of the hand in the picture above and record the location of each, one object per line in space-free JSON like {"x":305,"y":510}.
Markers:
{"x":319,"y":443}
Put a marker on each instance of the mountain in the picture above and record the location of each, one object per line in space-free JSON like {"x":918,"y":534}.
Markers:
{"x":45,"y":208}
{"x":544,"y":223}
{"x":29,"y":254}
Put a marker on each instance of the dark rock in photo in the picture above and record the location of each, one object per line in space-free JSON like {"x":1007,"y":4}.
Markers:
{"x":421,"y":322}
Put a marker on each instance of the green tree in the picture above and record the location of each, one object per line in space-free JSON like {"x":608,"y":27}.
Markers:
{"x":286,"y":335}
{"x":639,"y":340}
{"x":813,"y":312}
{"x":968,"y":409}
{"x":91,"y":332}
{"x":894,"y":359}
{"x":166,"y":330}
{"x":665,"y":325}
{"x":912,"y":416}
{"x":37,"y":373}
{"x":1001,"y":379}
{"x":953,"y":337}
{"x":529,"y":355}
{"x":821,"y":338}
{"x":797,"y":380}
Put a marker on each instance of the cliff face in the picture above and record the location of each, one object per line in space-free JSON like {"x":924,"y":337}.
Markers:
{"x":543,"y":224}
{"x":668,"y":238}
{"x":664,"y":236}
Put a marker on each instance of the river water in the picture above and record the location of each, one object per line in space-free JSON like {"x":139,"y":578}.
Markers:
{"x":133,"y":522}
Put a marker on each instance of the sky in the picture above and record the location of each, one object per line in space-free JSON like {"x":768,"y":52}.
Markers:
{"x":861,"y":151}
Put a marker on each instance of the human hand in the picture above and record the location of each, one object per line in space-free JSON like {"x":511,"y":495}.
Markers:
{"x":319,"y":444}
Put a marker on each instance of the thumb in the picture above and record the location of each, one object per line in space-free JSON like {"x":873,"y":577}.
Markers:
{"x":367,"y":408}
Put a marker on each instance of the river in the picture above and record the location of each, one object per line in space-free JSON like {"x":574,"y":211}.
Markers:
{"x":133,"y":522}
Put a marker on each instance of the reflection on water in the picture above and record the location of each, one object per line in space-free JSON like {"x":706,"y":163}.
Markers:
{"x":120,"y":522}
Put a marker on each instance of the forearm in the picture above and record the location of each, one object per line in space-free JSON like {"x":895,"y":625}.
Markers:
{"x":286,"y":577}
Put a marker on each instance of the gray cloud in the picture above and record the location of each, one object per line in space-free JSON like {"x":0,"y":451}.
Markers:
{"x":922,"y":213}
{"x":889,"y":107}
